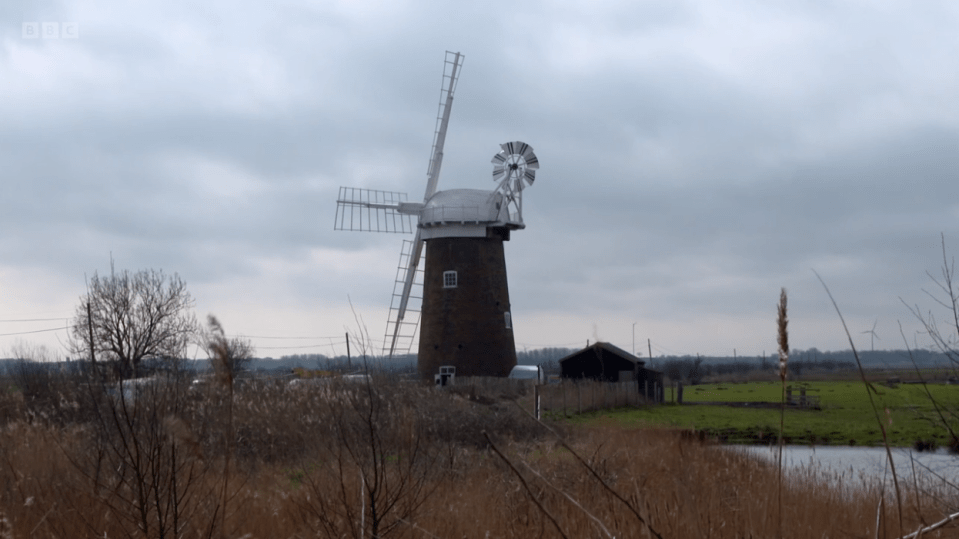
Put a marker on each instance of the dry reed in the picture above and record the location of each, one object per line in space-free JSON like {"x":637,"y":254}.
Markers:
{"x":782,"y":323}
{"x":295,"y":477}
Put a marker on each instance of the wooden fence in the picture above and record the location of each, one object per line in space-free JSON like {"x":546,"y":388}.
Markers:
{"x":567,"y":398}
{"x":577,"y":397}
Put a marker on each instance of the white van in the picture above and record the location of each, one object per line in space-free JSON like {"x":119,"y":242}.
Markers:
{"x":534,"y":373}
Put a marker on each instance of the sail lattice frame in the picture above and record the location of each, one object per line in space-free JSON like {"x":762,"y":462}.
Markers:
{"x":371,"y":210}
{"x":406,"y":329}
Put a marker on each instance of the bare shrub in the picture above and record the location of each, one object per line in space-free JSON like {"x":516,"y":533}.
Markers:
{"x":143,"y":462}
{"x":33,"y":372}
{"x":43,"y":387}
{"x":381,"y":458}
{"x":943,"y":331}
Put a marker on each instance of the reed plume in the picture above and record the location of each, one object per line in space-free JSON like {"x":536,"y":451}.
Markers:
{"x":218,"y":346}
{"x":783,"y":337}
{"x":782,"y":323}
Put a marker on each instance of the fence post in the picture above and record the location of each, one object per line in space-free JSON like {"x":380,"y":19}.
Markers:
{"x":536,"y":400}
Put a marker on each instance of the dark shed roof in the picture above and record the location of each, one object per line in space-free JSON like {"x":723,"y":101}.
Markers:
{"x":601,"y":361}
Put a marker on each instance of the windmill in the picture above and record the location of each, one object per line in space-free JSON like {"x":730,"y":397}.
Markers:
{"x":464,"y":307}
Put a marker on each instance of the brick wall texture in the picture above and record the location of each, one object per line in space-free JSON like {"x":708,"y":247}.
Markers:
{"x":466,"y":326}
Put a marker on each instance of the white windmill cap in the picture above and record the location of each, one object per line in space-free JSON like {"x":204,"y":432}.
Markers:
{"x":461,"y":206}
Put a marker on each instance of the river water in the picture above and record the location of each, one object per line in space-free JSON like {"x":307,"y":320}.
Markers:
{"x":859,"y":464}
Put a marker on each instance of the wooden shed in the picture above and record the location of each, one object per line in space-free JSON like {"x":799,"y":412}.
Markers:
{"x":604,"y":362}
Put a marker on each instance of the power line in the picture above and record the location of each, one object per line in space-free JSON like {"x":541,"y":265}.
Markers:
{"x":293,"y":347}
{"x":551,"y":345}
{"x":34,"y":320}
{"x":663,"y":350}
{"x":37,"y":331}
{"x":282,"y":338}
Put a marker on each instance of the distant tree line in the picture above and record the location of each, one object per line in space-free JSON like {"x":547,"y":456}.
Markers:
{"x":687,"y":368}
{"x":548,"y":358}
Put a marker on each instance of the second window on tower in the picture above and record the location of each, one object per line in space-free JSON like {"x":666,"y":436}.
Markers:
{"x":449,"y":279}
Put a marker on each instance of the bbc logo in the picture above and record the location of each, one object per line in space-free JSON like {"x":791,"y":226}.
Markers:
{"x":51,"y":30}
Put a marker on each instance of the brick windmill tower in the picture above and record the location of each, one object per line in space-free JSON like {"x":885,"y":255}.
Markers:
{"x":464,"y":307}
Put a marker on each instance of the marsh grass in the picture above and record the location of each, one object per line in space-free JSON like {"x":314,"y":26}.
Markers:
{"x":305,"y":460}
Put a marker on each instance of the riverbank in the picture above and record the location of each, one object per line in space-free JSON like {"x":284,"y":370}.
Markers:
{"x":935,"y":470}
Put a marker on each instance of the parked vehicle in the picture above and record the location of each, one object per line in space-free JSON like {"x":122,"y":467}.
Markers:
{"x":533,"y":373}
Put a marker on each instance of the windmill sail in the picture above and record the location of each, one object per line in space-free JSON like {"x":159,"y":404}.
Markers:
{"x":453,"y":62}
{"x":450,"y":76}
{"x":400,"y":341}
{"x":368,"y":210}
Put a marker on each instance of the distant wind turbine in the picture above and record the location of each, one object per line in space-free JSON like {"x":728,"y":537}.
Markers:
{"x":872,"y":344}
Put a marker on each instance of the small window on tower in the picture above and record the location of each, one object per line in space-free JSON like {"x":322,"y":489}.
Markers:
{"x":449,"y":279}
{"x":509,"y":320}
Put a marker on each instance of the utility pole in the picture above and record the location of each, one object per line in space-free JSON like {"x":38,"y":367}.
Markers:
{"x":349,"y":364}
{"x":634,"y":338}
{"x":93,"y":357}
{"x":650,"y":345}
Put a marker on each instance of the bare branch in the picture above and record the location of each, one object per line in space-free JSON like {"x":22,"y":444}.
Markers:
{"x":869,"y":391}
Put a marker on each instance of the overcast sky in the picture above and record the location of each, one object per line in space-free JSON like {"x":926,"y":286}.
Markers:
{"x":695,"y":158}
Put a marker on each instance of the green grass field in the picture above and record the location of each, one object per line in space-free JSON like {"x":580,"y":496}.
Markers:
{"x":845,"y":417}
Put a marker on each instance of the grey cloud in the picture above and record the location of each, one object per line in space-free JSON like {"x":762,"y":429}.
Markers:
{"x":698,"y":173}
